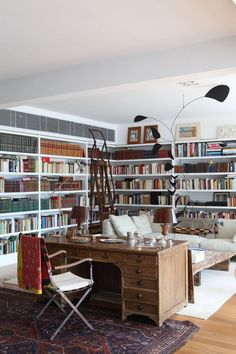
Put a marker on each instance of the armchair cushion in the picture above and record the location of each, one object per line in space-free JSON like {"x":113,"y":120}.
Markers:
{"x":226,"y":228}
{"x":142,"y":223}
{"x":122,"y":224}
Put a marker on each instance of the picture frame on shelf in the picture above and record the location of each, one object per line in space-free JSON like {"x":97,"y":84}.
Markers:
{"x":226,"y":131}
{"x":187,"y":131}
{"x":148,"y":135}
{"x":134,"y":135}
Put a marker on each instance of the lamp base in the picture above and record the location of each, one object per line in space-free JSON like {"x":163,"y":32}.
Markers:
{"x":164,"y":231}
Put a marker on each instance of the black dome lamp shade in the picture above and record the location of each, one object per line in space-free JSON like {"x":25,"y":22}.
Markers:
{"x":218,"y":93}
{"x":139,"y":118}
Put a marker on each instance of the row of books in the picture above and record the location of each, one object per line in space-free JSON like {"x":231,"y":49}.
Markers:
{"x":133,"y":212}
{"x":18,"y":143}
{"x":8,"y":246}
{"x":59,"y":148}
{"x":141,"y":169}
{"x":200,"y":149}
{"x":19,"y":164}
{"x":207,"y":183}
{"x":18,"y":185}
{"x":231,"y":201}
{"x":97,"y":153}
{"x":142,"y":184}
{"x":143,"y":199}
{"x":50,"y":184}
{"x":5,"y":227}
{"x":9,"y":205}
{"x":26,"y":224}
{"x":129,"y":154}
{"x":67,"y":201}
{"x":206,"y":167}
{"x":58,"y":166}
{"x":48,"y":221}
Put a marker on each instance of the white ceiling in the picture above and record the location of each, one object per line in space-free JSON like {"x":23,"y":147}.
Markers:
{"x":45,"y":36}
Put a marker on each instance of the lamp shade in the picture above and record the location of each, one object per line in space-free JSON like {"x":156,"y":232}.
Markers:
{"x":79,"y":213}
{"x":164,"y":216}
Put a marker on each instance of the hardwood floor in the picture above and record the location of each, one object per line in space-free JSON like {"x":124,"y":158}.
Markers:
{"x":216,"y":335}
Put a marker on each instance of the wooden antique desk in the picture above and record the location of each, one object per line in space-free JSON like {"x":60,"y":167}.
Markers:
{"x":154,"y":281}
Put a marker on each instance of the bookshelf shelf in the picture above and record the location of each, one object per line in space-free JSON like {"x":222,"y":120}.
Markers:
{"x":142,"y":205}
{"x":133,"y":161}
{"x":206,"y":190}
{"x":82,"y":175}
{"x":206,"y":207}
{"x":17,"y":213}
{"x":13,"y":194}
{"x":54,"y":211}
{"x":153,"y":175}
{"x":77,"y":191}
{"x":65,"y":157}
{"x":17,"y":174}
{"x":139,"y":190}
{"x":28,"y":154}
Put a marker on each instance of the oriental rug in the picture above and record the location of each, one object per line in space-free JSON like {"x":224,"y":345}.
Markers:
{"x":20,"y":333}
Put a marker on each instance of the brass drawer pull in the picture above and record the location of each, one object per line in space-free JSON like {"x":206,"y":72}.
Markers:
{"x":138,"y":271}
{"x":139,"y":296}
{"x":140,"y":307}
{"x":140,"y":282}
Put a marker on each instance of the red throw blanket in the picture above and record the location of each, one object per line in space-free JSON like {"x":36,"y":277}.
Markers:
{"x":32,"y":268}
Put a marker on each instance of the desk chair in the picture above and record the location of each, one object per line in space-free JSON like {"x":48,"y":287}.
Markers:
{"x":33,"y":251}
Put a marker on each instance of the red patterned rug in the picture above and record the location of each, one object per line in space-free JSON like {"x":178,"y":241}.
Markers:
{"x":21,"y":334}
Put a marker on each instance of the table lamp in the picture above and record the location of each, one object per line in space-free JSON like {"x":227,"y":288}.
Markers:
{"x":164,"y":217}
{"x":80,"y":213}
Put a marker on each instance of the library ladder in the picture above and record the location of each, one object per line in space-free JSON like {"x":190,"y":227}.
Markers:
{"x":102,"y":190}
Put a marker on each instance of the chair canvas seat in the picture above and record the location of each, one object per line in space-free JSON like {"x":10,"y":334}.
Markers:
{"x":69,"y":281}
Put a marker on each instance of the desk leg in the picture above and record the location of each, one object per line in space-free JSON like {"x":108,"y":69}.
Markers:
{"x":190,"y":279}
{"x":197,"y":279}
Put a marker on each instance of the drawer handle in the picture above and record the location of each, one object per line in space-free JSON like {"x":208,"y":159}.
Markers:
{"x":139,"y":260}
{"x":139,"y":296}
{"x":140,"y":282}
{"x":140,"y":307}
{"x":138,"y":271}
{"x":105,"y":256}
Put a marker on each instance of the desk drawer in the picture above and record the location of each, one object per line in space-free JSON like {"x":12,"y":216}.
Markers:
{"x":140,"y":259}
{"x":140,"y":295}
{"x":106,"y":256}
{"x":140,"y":283}
{"x":140,"y":308}
{"x":78,"y":253}
{"x":140,"y":271}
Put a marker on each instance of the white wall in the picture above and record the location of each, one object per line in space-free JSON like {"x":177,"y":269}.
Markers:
{"x":208,"y":125}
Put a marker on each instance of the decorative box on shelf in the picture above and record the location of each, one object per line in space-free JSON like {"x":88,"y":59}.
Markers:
{"x":198,"y":255}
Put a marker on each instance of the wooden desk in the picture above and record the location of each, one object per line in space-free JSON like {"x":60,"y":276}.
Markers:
{"x":154,"y":282}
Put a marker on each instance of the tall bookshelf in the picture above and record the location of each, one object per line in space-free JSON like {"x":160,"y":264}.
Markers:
{"x":41,"y":178}
{"x":207,"y":177}
{"x":141,"y":182}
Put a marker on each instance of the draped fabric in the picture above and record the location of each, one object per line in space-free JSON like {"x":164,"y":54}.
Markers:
{"x":32,"y":270}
